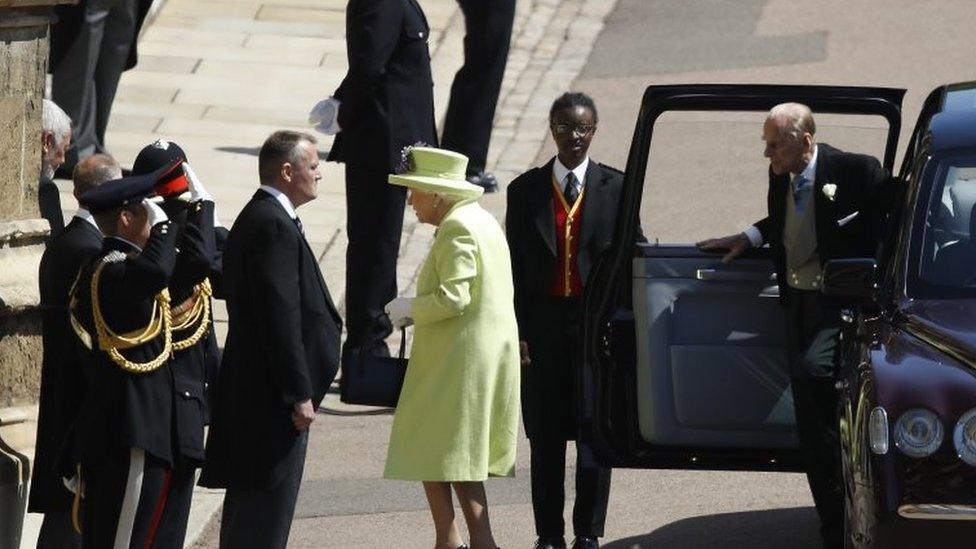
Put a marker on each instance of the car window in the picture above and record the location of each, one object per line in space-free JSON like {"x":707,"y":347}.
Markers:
{"x":706,"y":175}
{"x":947,"y":262}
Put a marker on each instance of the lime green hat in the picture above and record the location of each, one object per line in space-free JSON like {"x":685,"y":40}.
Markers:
{"x":437,"y":171}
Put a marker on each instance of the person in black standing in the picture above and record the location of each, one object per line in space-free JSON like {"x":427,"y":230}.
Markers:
{"x":823,"y":204}
{"x":558,"y":220}
{"x":281,"y":354}
{"x":387,"y":103}
{"x":62,"y":379}
{"x":124,"y":436}
{"x":474,"y":93}
{"x":92,"y":43}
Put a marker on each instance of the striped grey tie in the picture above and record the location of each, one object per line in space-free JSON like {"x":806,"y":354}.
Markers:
{"x":571,"y":192}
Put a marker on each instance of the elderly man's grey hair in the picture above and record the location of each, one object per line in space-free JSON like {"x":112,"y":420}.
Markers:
{"x":798,"y":116}
{"x":55,"y":121}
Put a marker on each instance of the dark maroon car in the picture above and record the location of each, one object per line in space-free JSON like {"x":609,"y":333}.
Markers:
{"x":683,"y":356}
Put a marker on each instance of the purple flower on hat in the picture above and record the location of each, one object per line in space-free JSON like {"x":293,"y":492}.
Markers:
{"x":406,"y":158}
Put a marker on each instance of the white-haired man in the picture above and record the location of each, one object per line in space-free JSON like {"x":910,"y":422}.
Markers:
{"x":823,"y":204}
{"x":55,"y":140}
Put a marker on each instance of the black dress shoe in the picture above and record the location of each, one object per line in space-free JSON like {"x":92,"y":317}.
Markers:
{"x":586,"y":542}
{"x":550,"y":543}
{"x":484,"y":180}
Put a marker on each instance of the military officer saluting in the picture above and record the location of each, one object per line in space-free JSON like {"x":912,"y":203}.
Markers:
{"x":195,"y":355}
{"x":122,"y":310}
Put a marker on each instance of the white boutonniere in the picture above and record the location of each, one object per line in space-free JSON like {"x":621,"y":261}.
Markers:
{"x":829,"y":190}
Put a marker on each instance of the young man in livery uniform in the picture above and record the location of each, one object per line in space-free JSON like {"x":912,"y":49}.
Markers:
{"x":122,"y":309}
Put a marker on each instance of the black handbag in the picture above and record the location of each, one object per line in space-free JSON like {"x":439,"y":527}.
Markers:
{"x":371,"y":380}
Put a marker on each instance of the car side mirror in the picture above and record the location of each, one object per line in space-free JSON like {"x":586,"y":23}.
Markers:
{"x":850,"y":278}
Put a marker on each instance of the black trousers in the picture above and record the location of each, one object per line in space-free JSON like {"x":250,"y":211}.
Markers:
{"x":86,"y":79}
{"x":57,"y":532}
{"x":549,"y":411}
{"x":548,"y":473}
{"x":374,"y":210}
{"x":123,"y":507}
{"x":813,"y":347}
{"x":262,"y":518}
{"x":474,"y":94}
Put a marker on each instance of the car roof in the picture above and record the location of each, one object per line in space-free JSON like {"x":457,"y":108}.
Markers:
{"x":954,"y":127}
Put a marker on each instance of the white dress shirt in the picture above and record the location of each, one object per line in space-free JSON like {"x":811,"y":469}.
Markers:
{"x":85,"y":215}
{"x":282,"y":199}
{"x":809,"y":174}
{"x":560,"y":172}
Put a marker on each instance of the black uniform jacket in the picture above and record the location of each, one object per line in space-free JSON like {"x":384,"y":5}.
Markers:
{"x":62,"y":379}
{"x":282,"y":347}
{"x":850,"y":224}
{"x":49,"y":202}
{"x":71,"y":17}
{"x":191,"y":367}
{"x":123,"y":409}
{"x":387,"y":95}
{"x":548,"y":384}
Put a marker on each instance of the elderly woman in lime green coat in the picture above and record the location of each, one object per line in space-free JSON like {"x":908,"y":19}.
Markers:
{"x":456,"y":422}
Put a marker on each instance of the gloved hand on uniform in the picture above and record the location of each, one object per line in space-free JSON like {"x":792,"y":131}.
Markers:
{"x":156,"y":214}
{"x":400,"y":310}
{"x":197,"y":190}
{"x":324,"y":116}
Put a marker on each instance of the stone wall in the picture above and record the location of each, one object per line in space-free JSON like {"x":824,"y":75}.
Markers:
{"x":23,"y":62}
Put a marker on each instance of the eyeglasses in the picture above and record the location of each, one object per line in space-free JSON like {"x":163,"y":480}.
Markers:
{"x":578,"y":129}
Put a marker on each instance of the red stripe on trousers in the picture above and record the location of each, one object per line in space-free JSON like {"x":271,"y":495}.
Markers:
{"x":157,"y":516}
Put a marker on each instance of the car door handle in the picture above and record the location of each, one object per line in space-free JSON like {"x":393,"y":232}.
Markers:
{"x":730,"y":276}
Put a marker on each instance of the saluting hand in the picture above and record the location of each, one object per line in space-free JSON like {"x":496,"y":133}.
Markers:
{"x":303,"y":415}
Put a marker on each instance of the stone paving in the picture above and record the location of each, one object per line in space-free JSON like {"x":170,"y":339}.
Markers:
{"x":218,"y":76}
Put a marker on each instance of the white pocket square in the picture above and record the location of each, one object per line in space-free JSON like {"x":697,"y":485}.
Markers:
{"x":844,"y":221}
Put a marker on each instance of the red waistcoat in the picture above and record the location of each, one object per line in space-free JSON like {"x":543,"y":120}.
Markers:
{"x":569,"y":219}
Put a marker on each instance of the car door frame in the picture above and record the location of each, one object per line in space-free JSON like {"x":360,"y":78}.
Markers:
{"x":607,"y":410}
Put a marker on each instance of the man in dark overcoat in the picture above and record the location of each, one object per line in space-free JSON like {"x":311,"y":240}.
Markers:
{"x":281,"y":354}
{"x":62,"y":379}
{"x":387,"y":103}
{"x":823,"y":204}
{"x":559,"y":219}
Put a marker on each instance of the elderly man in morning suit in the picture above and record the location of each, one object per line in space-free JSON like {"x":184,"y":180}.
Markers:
{"x":62,"y":381}
{"x":55,"y":141}
{"x":823,"y":204}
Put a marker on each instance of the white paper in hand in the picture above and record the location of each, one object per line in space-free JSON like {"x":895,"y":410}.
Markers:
{"x":324,"y":116}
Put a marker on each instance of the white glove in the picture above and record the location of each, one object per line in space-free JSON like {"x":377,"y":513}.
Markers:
{"x":400,"y":310}
{"x":156,"y":214}
{"x":324,"y":116}
{"x":197,"y":190}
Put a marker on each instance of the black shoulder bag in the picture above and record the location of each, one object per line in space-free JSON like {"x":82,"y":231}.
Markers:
{"x":372,"y":380}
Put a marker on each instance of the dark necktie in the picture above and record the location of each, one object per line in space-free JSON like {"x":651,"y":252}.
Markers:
{"x":571,"y":192}
{"x":298,"y":223}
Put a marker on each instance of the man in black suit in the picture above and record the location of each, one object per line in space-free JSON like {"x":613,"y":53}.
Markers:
{"x":55,"y":141}
{"x":62,"y":380}
{"x":387,"y":104}
{"x":92,"y":43}
{"x":123,"y":438}
{"x":559,"y":219}
{"x":281,"y":354}
{"x":474,"y":94}
{"x":823,"y":204}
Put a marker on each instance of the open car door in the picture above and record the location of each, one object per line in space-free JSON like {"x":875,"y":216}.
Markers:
{"x":684,"y":364}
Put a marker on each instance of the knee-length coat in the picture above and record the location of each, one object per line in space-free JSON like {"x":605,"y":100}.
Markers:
{"x":457,"y":418}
